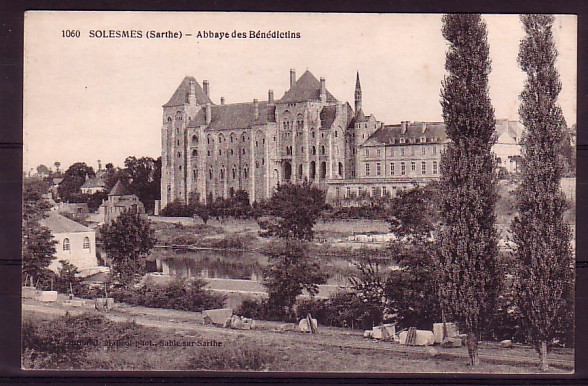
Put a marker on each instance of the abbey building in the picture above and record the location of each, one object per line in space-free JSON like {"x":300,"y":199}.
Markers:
{"x":212,"y":150}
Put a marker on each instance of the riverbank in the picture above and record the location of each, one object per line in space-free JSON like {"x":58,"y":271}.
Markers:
{"x":331,"y":350}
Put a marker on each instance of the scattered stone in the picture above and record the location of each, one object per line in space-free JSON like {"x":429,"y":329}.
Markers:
{"x":47,"y":296}
{"x":451,"y":342}
{"x":423,"y":338}
{"x":368,"y":334}
{"x":286,"y":327}
{"x":386,"y":331}
{"x":506,"y":343}
{"x":432,"y":351}
{"x":29,"y":292}
{"x":104,"y":304}
{"x":218,"y":316}
{"x":438,"y":331}
{"x":304,"y":326}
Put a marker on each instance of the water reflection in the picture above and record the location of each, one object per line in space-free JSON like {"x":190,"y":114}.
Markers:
{"x":218,"y":264}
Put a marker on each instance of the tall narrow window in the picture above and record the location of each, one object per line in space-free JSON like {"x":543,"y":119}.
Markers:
{"x":86,"y":243}
{"x":423,"y":167}
{"x":378,"y":169}
{"x":66,"y":244}
{"x":367,"y":169}
{"x":413,"y":166}
{"x":402,"y":168}
{"x":392,"y":168}
{"x":435,"y":170}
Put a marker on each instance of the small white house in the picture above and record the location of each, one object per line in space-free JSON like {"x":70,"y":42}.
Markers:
{"x":76,"y":243}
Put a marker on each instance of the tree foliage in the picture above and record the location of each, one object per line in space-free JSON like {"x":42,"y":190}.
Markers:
{"x":295,"y":209}
{"x":468,"y":239}
{"x":38,"y":246}
{"x":290,"y":270}
{"x":127,"y":241}
{"x":543,"y":249}
{"x":73,"y":178}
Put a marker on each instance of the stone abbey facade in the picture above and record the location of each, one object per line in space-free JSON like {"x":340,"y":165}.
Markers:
{"x":212,"y":150}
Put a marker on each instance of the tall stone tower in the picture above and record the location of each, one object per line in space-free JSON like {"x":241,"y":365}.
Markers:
{"x":357,"y":94}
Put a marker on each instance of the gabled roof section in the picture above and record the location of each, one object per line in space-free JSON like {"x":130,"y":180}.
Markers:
{"x":512,"y":128}
{"x":180,"y":96}
{"x":360,"y":116}
{"x":235,"y":116}
{"x":306,"y":88}
{"x":61,"y":224}
{"x":328,"y":115}
{"x":120,"y":189}
{"x":391,"y":134}
{"x":94,"y":182}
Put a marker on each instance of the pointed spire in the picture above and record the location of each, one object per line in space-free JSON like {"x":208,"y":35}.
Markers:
{"x":357,"y":94}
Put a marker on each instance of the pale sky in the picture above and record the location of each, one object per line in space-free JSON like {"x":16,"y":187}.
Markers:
{"x":88,"y":99}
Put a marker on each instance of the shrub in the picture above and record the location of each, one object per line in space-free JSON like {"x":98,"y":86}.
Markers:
{"x":176,"y":209}
{"x":178,"y":294}
{"x":234,"y":357}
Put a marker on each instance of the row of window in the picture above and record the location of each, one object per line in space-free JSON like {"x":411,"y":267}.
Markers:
{"x":393,"y":170}
{"x":67,"y":244}
{"x":375,"y":191}
{"x":402,"y":150}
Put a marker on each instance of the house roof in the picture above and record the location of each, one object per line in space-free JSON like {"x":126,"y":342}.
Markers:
{"x":120,"y":189}
{"x":329,"y":114}
{"x":391,"y":134}
{"x":511,"y":128}
{"x":61,"y":224}
{"x":180,"y":96}
{"x":360,"y":116}
{"x":306,"y":88}
{"x":94,"y":182}
{"x":235,"y":116}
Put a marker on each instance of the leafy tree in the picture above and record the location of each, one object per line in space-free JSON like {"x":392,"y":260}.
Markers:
{"x":144,"y":178}
{"x":95,"y":200}
{"x":370,"y":280}
{"x":127,"y":241}
{"x":73,"y":179}
{"x":543,"y":249}
{"x":290,"y":270}
{"x":468,"y":239}
{"x":411,"y":291}
{"x":295,"y":208}
{"x":38,"y":246}
{"x":42,"y":169}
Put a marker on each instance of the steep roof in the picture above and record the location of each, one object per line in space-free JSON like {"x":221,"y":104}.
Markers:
{"x":235,"y":116}
{"x":306,"y":88}
{"x":328,"y":115}
{"x":512,"y":128}
{"x":391,"y":134}
{"x":360,"y":116}
{"x":61,"y":224}
{"x":94,"y":182}
{"x":120,"y":189}
{"x":180,"y":95}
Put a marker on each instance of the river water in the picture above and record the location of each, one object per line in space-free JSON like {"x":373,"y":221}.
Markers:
{"x":221,"y":264}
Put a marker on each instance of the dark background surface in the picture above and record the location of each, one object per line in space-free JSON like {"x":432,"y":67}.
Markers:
{"x":11,"y":96}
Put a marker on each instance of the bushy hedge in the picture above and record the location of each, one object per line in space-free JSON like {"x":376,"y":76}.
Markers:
{"x":178,"y":294}
{"x":341,"y":309}
{"x":64,"y":342}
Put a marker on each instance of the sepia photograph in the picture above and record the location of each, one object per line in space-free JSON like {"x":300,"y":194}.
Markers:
{"x":279,"y":192}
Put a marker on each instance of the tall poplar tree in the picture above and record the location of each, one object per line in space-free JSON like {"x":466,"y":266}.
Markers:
{"x":467,"y":257}
{"x":543,"y":252}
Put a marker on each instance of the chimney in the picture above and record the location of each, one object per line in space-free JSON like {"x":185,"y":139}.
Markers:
{"x":339,"y":108}
{"x":270,"y":97}
{"x":192,"y":93}
{"x":99,"y":165}
{"x":206,"y":88}
{"x":292,"y":77}
{"x":403,"y":126}
{"x":255,"y":109}
{"x":323,"y":91}
{"x":208,"y":113}
{"x":222,"y":100}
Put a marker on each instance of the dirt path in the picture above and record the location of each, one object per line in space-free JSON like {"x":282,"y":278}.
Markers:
{"x":188,"y":324}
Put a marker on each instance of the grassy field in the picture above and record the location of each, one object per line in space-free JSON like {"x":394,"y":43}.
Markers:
{"x":178,"y":341}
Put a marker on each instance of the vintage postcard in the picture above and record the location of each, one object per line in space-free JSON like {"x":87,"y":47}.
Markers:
{"x":299,"y":192}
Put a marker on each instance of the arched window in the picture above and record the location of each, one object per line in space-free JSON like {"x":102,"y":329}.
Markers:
{"x":323,"y":150}
{"x":195,"y":139}
{"x":245,"y":172}
{"x":300,"y":171}
{"x":340,"y":169}
{"x":312,"y":170}
{"x":210,"y":174}
{"x":66,"y":244}
{"x":314,"y":150}
{"x":222,"y":172}
{"x":194,"y":153}
{"x":169,"y":119}
{"x":323,"y":172}
{"x":195,"y":173}
{"x":234,"y":172}
{"x":86,"y":243}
